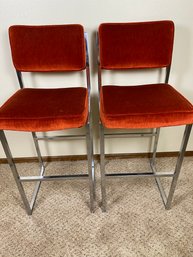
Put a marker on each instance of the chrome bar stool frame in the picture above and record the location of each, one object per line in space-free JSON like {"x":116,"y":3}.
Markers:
{"x":103,"y":131}
{"x":29,"y":205}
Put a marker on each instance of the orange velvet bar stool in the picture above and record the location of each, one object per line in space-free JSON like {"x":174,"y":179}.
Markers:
{"x":48,"y":49}
{"x":137,"y":46}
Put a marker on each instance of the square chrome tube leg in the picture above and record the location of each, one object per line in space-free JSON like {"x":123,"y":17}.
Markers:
{"x":153,"y":160}
{"x":178,"y":165}
{"x":153,"y":166}
{"x":102,"y":168}
{"x":167,"y":200}
{"x":35,"y":139}
{"x":42,"y":170}
{"x":91,"y":171}
{"x":14,"y":172}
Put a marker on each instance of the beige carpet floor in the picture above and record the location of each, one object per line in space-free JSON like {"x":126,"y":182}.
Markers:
{"x":136,"y":223}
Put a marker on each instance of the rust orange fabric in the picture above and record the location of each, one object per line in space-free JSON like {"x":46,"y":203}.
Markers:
{"x":145,"y":106}
{"x":136,"y":45}
{"x":48,"y":48}
{"x":45,"y":109}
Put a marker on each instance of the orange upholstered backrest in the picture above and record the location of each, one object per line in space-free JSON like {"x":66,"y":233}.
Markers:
{"x":48,"y":47}
{"x":136,"y":45}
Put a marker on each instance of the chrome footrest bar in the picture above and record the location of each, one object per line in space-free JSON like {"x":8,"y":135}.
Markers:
{"x":148,"y":134}
{"x":139,"y":174}
{"x":69,"y":137}
{"x":52,"y":177}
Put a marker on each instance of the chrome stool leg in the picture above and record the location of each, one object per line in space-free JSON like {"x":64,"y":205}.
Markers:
{"x":167,"y":200}
{"x":155,"y":146}
{"x":102,"y":168}
{"x":14,"y":172}
{"x":35,"y":139}
{"x":178,"y":165}
{"x":90,"y":166}
{"x":42,"y":169}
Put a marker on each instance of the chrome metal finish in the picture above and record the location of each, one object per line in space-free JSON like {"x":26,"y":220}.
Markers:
{"x":38,"y":149}
{"x":167,"y":74}
{"x":139,"y":174}
{"x":52,"y":177}
{"x":159,"y":185}
{"x":178,"y":164}
{"x":90,"y":166}
{"x":93,"y":179}
{"x":42,"y":170}
{"x":61,"y":137}
{"x":88,"y":136}
{"x":155,"y":145}
{"x":99,"y":87}
{"x":86,"y":43}
{"x":19,"y":76}
{"x":153,"y":167}
{"x":36,"y":189}
{"x":98,"y":50}
{"x":108,"y":135}
{"x":99,"y":71}
{"x":19,"y":179}
{"x":14,"y":172}
{"x":87,"y":71}
{"x":167,"y":200}
{"x":102,"y":168}
{"x":88,"y":87}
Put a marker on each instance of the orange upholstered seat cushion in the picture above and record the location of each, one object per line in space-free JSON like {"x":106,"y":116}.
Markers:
{"x":145,"y":106}
{"x":45,"y":109}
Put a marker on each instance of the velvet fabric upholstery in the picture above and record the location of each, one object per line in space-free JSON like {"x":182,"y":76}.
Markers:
{"x":48,"y":47}
{"x":139,"y":45}
{"x":45,"y":109}
{"x":135,"y":45}
{"x":144,"y":106}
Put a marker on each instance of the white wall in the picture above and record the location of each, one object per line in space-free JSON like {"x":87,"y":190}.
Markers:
{"x":90,"y":13}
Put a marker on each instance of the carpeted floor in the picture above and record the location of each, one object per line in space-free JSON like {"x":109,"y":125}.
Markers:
{"x":136,"y":223}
